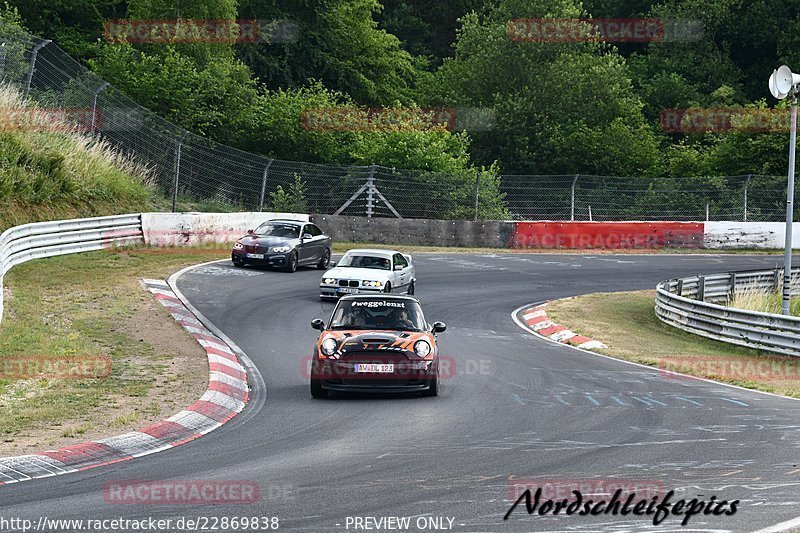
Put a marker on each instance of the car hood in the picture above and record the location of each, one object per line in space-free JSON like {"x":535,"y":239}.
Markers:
{"x":266,"y":241}
{"x":371,"y":274}
{"x":378,"y":339}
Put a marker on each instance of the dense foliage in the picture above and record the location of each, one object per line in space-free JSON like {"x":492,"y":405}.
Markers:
{"x":556,"y":107}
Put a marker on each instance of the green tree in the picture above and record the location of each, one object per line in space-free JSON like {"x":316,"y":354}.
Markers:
{"x":338,"y":43}
{"x":560,"y":107}
{"x":292,"y":200}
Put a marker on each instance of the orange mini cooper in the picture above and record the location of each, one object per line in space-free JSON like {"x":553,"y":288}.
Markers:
{"x":376,"y":343}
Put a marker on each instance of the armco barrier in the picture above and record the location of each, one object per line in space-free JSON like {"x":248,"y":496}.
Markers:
{"x":693,"y":304}
{"x":48,"y":239}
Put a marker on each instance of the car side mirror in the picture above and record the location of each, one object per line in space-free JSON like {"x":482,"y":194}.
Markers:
{"x":318,"y":324}
{"x":439,"y":327}
{"x":250,"y":232}
{"x":307,"y":236}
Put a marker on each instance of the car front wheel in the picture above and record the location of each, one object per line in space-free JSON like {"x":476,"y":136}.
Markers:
{"x":433,"y":390}
{"x":326,"y":258}
{"x":291,"y":263}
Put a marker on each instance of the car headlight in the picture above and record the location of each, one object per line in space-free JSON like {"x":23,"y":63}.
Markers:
{"x":237,"y":245}
{"x":367,"y":283}
{"x":329,"y":281}
{"x":280,"y":249}
{"x":422,"y":348}
{"x":329,"y":346}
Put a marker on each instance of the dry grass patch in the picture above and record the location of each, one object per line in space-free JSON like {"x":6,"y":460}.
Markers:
{"x":626,"y":322}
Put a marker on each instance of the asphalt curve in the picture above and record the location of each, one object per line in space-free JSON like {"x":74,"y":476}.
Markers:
{"x":515,"y":408}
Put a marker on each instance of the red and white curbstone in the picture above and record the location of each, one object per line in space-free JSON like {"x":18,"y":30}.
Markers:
{"x":226,"y":395}
{"x":537,"y":320}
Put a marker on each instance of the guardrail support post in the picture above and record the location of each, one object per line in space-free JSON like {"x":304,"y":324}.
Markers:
{"x":370,"y":190}
{"x":94,"y":104}
{"x":477,"y":190}
{"x":746,"y":185}
{"x":679,"y":289}
{"x":177,"y":172}
{"x":572,"y":197}
{"x":34,"y":53}
{"x":264,"y":185}
{"x":701,"y":289}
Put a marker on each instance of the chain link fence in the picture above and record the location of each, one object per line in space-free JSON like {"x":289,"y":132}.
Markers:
{"x":191,"y":168}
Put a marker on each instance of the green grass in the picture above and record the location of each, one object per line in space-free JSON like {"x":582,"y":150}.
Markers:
{"x":765,"y":301}
{"x":86,"y":305}
{"x":53,"y":175}
{"x":626,"y":322}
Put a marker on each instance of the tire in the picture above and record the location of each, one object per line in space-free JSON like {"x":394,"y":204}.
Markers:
{"x":326,"y":259}
{"x":291,"y":264}
{"x":388,"y":288}
{"x":316,"y":389}
{"x":410,"y":291}
{"x":238,"y":263}
{"x":433,"y":390}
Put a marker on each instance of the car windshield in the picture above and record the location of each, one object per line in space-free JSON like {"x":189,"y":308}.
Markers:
{"x":365,"y":261}
{"x":278,"y":229}
{"x":378,"y":314}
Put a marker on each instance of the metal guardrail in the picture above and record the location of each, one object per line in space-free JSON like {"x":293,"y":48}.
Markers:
{"x":47,"y":239}
{"x":693,"y":304}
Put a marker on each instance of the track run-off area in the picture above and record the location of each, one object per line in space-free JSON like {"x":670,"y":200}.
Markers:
{"x":512,"y":408}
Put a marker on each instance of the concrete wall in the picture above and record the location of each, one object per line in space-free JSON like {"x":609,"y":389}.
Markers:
{"x":490,"y":234}
{"x":732,"y":235}
{"x":182,"y":229}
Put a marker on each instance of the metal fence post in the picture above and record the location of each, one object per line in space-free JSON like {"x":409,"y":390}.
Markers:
{"x":34,"y":53}
{"x":3,"y":60}
{"x":746,"y":185}
{"x":701,"y":289}
{"x":572,"y":199}
{"x":264,"y":185}
{"x":94,"y":103}
{"x":477,"y":191}
{"x":177,"y":172}
{"x":370,"y":190}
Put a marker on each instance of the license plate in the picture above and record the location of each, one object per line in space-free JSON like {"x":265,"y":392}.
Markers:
{"x":378,"y":368}
{"x":255,"y":256}
{"x":342,"y":290}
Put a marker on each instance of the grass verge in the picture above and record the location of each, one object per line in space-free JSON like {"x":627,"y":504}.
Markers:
{"x":85,"y":306}
{"x":626,"y":322}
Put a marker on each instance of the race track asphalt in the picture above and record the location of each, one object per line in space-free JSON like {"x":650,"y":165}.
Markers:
{"x":515,"y":408}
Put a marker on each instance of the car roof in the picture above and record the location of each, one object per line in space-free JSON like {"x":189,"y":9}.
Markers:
{"x":286,"y":220}
{"x":373,"y":251}
{"x":378,"y":296}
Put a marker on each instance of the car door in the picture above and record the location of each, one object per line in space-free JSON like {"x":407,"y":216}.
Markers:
{"x":305,"y":252}
{"x":401,"y":276}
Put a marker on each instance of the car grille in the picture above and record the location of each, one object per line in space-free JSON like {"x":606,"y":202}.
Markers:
{"x":250,"y":249}
{"x":348,"y":283}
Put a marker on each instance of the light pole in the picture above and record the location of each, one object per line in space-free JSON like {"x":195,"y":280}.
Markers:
{"x":781,"y":83}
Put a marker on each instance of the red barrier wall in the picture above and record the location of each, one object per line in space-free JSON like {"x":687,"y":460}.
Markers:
{"x":607,"y":235}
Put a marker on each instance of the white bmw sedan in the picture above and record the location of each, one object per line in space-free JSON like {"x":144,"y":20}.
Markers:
{"x":367,"y":271}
